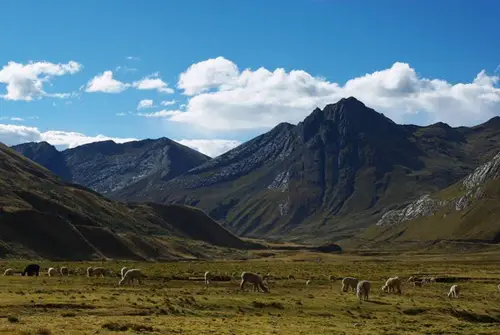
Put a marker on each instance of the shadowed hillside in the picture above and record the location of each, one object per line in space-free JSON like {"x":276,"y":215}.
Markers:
{"x":42,"y":216}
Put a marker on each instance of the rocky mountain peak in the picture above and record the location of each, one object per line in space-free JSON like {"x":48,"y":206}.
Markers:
{"x":107,"y":166}
{"x":348,"y":116}
{"x":108,"y":147}
{"x":47,"y":156}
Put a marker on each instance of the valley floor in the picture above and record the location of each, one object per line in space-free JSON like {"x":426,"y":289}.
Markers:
{"x":174,"y":299}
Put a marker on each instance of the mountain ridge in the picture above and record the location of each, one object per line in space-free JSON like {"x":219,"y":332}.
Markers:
{"x":329,"y":175}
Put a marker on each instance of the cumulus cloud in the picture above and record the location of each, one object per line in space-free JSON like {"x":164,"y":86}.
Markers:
{"x":226,"y":98}
{"x":161,"y":114}
{"x":105,"y":83}
{"x":26,"y":81}
{"x":15,"y":134}
{"x":168,"y":102}
{"x":210,"y":74}
{"x":146,"y":103}
{"x":153,"y":82}
{"x":211,"y":148}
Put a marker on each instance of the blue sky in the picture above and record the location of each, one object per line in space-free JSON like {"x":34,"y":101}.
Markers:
{"x":237,"y":68}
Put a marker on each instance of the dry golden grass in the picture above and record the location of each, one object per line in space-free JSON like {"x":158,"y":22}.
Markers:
{"x":174,"y":300}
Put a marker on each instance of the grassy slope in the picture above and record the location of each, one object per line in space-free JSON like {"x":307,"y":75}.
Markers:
{"x":78,"y":304}
{"x":36,"y":207}
{"x":479,"y":222}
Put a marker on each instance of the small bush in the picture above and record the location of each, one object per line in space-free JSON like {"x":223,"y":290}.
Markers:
{"x":13,"y":319}
{"x":115,"y":326}
{"x":258,"y":304}
{"x":121,"y":327}
{"x":68,"y":315}
{"x":43,"y":331}
{"x":413,"y":311}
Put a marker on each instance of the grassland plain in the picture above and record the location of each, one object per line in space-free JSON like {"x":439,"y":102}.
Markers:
{"x":174,"y":300}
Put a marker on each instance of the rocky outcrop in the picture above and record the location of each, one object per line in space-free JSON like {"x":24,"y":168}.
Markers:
{"x":470,"y":187}
{"x":487,"y":171}
{"x":424,"y":206}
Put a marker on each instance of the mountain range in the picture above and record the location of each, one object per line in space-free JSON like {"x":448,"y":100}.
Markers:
{"x":326,"y":178}
{"x":43,"y":216}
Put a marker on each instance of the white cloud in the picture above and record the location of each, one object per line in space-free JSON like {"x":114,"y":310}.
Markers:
{"x":209,"y":74}
{"x":14,"y":134}
{"x":121,"y":114}
{"x":161,"y":114}
{"x":104,"y":82}
{"x":224,"y":98}
{"x":133,"y":58}
{"x":153,"y":82}
{"x":211,"y":148}
{"x":146,"y":103}
{"x":168,"y":102}
{"x":26,"y":82}
{"x":125,"y":69}
{"x":11,"y":118}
